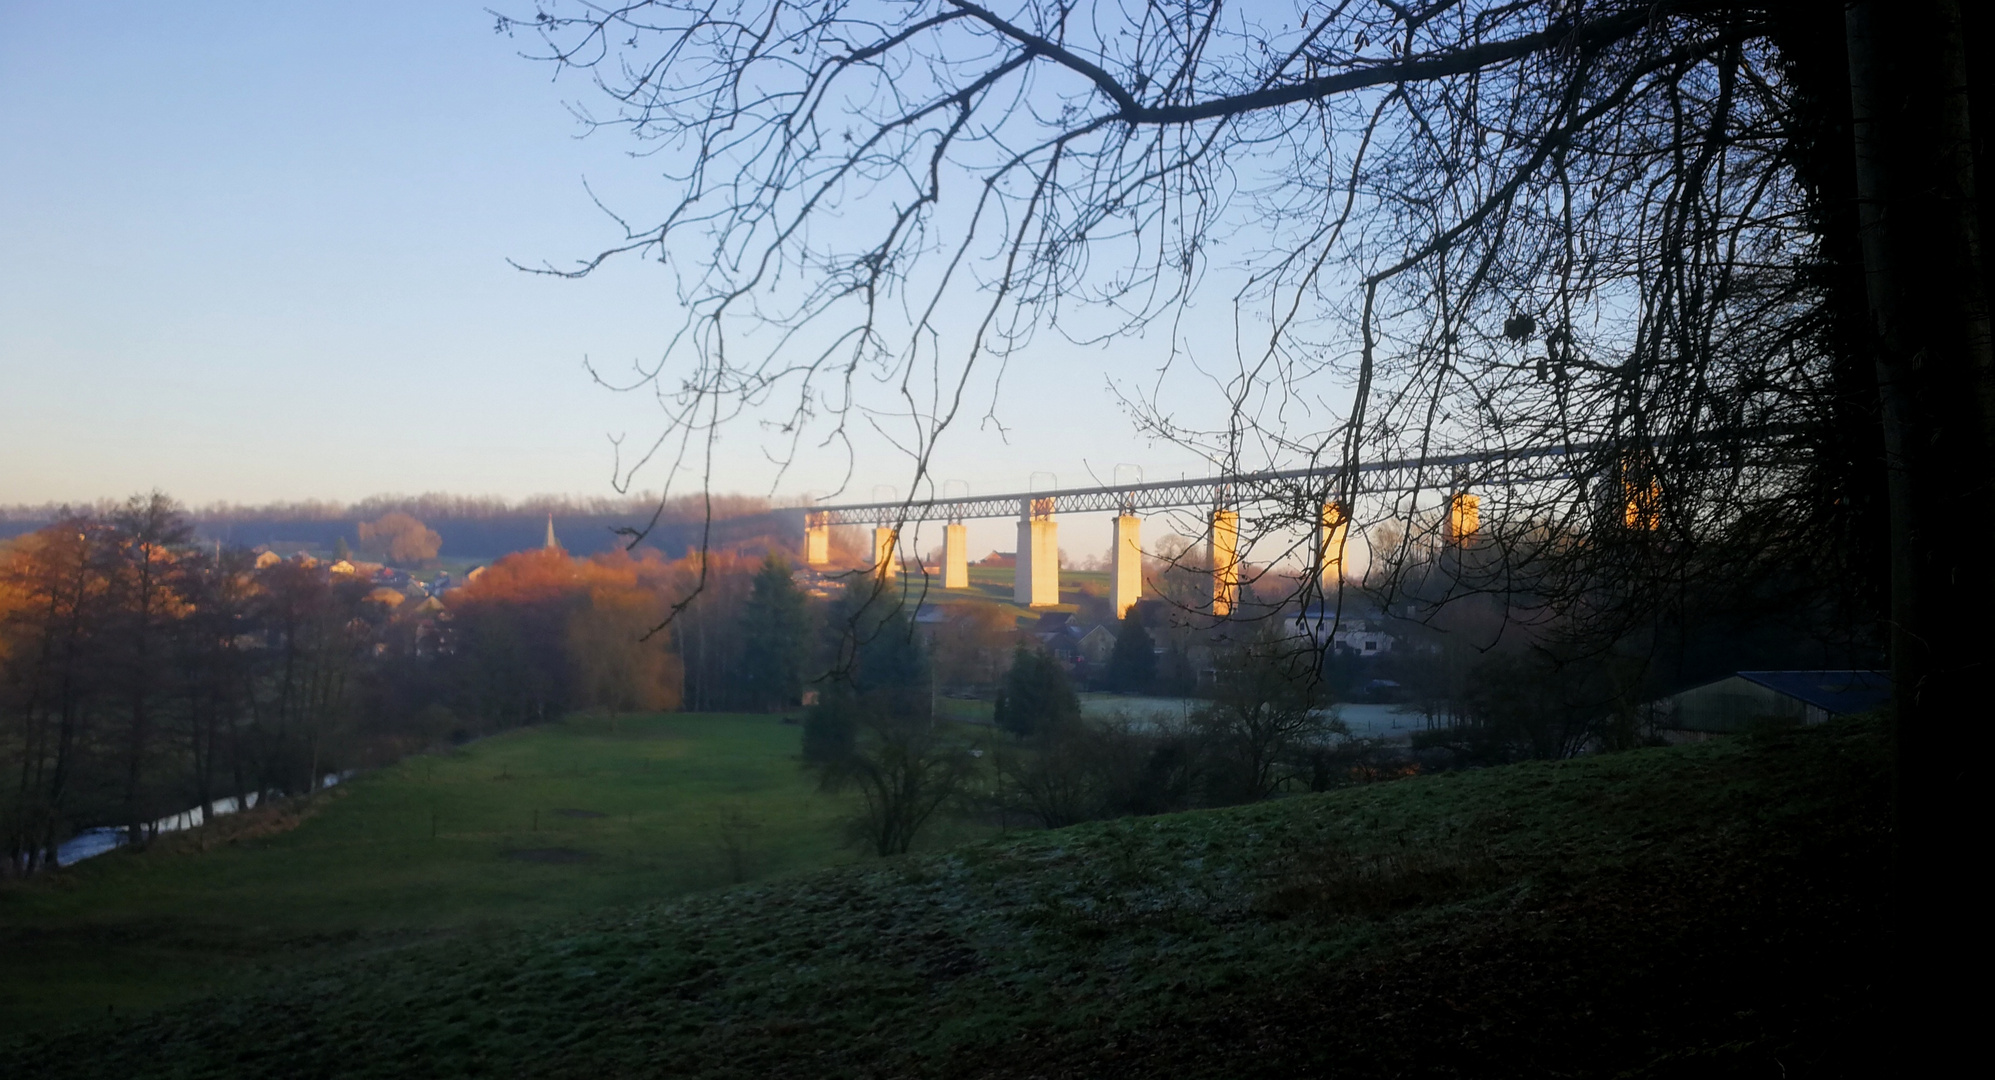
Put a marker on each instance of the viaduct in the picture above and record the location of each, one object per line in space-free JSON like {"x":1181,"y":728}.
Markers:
{"x":1037,"y":574}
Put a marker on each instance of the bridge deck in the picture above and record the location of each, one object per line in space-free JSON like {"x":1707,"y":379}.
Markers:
{"x":1299,"y":485}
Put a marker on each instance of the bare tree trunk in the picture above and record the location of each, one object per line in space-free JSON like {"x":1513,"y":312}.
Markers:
{"x":204,"y":748}
{"x":235,"y":764}
{"x":141,"y":719}
{"x":1928,"y":299}
{"x":1960,"y":222}
{"x":69,"y":731}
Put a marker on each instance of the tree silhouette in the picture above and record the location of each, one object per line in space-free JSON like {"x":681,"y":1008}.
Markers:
{"x":775,"y":636}
{"x":1132,"y":667}
{"x":1037,"y":697}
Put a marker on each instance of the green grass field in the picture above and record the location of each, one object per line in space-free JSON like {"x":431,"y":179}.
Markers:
{"x":530,"y":826}
{"x":993,"y":584}
{"x":1690,"y":911}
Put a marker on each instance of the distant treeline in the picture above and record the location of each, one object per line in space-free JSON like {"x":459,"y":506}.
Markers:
{"x":482,"y":528}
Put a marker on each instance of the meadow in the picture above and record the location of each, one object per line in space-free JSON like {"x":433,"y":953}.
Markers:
{"x":526,"y":827}
{"x":1715,"y":909}
{"x":994,"y":584}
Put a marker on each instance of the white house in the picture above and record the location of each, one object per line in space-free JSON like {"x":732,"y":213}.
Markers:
{"x":1358,"y":632}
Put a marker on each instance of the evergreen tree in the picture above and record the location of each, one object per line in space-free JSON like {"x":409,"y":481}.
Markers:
{"x":890,"y":659}
{"x":871,"y":643}
{"x":340,"y":550}
{"x":1132,"y":667}
{"x":881,"y":683}
{"x":1037,"y":696}
{"x":776,"y":633}
{"x":831,"y":726}
{"x":1175,"y":675}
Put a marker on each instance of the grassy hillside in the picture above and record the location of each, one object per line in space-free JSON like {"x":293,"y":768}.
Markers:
{"x":993,"y":584}
{"x":1709,"y":910}
{"x":534,"y":825}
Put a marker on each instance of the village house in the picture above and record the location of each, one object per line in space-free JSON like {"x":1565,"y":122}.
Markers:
{"x":1081,"y":648}
{"x":1747,"y":700}
{"x":1358,"y":632}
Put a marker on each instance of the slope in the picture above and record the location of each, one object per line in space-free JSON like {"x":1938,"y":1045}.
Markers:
{"x":1703,"y":910}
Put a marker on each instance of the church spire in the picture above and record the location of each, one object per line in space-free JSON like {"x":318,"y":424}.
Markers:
{"x":552,"y":543}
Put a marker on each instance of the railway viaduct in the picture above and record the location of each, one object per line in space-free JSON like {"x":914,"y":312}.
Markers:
{"x":1319,"y":494}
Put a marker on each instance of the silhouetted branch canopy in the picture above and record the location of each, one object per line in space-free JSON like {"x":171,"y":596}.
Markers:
{"x":1442,"y":226}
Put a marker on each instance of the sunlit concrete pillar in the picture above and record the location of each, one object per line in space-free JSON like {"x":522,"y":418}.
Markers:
{"x":1036,"y":581}
{"x":955,"y":556}
{"x":1333,"y":531}
{"x":1021,"y":564}
{"x":886,"y":553}
{"x":817,"y":538}
{"x":1464,"y":513}
{"x":1125,"y":584}
{"x":1225,"y":561}
{"x":1045,"y":559}
{"x":1641,"y":494}
{"x":1641,"y":505}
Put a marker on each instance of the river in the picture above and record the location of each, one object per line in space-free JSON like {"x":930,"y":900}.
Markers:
{"x":103,"y":838}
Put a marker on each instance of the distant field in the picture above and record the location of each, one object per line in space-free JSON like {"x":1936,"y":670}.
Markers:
{"x":1099,"y":706}
{"x":1138,"y":708}
{"x":994,"y":584}
{"x":540,"y":824}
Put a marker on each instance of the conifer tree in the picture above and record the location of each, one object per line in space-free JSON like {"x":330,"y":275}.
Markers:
{"x":1132,"y":667}
{"x":775,"y":631}
{"x":1037,"y":696}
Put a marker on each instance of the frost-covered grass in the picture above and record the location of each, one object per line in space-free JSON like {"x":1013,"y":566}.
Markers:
{"x":1684,"y":910}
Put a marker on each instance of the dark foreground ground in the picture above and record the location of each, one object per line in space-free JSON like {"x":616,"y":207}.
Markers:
{"x":1696,"y":911}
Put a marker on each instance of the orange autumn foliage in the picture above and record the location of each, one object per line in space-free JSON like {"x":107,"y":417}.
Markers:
{"x":545,"y":632}
{"x":541,"y":632}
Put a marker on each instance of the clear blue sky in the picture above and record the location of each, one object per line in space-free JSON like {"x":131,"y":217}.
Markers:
{"x":258,"y":252}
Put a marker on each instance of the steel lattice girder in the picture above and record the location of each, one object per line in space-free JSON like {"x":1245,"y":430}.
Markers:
{"x":1289,"y":485}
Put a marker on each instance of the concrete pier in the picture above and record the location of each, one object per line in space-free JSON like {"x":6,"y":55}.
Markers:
{"x":886,"y":552}
{"x":1125,"y":583}
{"x":955,"y":556}
{"x":1036,"y":581}
{"x":1225,"y":551}
{"x":817,"y":538}
{"x":1333,"y":531}
{"x":1641,"y":504}
{"x":1464,"y":517}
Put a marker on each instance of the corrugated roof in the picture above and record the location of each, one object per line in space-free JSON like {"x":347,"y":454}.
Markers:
{"x":1837,"y":692}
